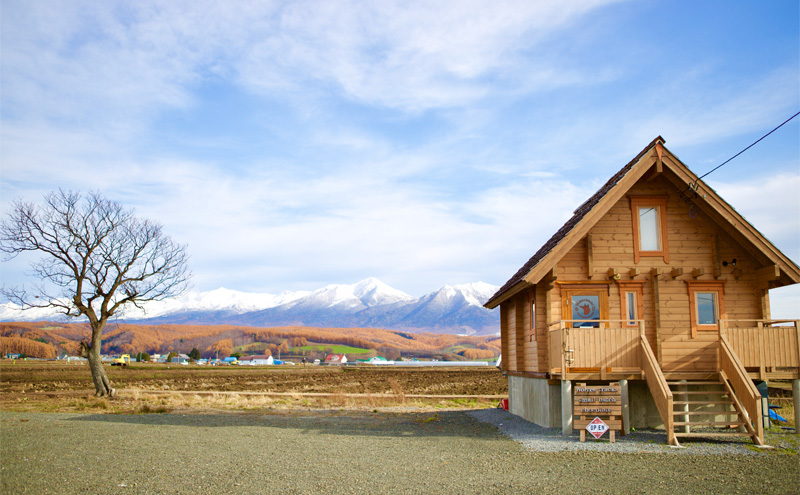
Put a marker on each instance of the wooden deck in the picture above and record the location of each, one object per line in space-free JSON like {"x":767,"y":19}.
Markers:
{"x":768,"y":350}
{"x":746,"y":350}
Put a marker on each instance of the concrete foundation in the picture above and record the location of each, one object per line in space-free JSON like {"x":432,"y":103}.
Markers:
{"x":540,"y":403}
{"x":535,"y":400}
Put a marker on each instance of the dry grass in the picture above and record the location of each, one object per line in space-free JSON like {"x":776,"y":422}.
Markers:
{"x":786,"y":411}
{"x":397,"y":390}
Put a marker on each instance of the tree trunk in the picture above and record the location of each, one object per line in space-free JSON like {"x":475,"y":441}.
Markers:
{"x":102,"y":385}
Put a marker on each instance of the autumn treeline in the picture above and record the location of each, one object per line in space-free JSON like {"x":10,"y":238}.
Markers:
{"x":51,"y":339}
{"x":28,"y":347}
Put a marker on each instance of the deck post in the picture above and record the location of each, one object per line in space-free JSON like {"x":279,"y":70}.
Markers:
{"x":566,"y":407}
{"x":796,"y":400}
{"x":684,"y":407}
{"x":626,"y":412}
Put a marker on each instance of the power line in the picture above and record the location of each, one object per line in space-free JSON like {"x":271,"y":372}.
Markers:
{"x":739,"y":153}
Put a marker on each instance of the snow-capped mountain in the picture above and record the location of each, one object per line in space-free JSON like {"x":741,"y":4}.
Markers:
{"x":369,"y":303}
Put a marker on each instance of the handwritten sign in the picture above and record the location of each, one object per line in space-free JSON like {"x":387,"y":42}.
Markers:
{"x":597,"y":409}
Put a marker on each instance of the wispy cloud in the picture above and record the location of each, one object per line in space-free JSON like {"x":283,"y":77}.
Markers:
{"x":423,"y":143}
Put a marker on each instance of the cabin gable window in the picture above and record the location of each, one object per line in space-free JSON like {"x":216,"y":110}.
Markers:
{"x":649,"y":214}
{"x":706,"y":305}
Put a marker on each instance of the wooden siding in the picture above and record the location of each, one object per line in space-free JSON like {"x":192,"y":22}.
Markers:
{"x":697,"y":247}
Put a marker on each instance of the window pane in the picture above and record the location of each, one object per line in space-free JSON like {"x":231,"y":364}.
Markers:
{"x":586,"y":308}
{"x":648,"y":229}
{"x":533,"y":315}
{"x":706,"y":308}
{"x":631,"y":307}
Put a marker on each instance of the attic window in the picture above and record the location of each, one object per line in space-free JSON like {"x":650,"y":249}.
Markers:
{"x":649,"y":214}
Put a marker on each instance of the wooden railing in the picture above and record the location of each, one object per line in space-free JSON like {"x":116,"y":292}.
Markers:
{"x":746,"y":392}
{"x":613,"y":345}
{"x":658,"y":386}
{"x":557,"y":350}
{"x":764,"y":344}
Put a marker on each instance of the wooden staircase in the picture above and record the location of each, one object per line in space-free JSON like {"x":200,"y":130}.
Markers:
{"x":710,"y":405}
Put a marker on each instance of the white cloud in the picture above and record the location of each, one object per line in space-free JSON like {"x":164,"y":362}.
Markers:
{"x":85,"y":86}
{"x":413,"y":56}
{"x":770,"y":203}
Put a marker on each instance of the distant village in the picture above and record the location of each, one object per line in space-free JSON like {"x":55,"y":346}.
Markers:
{"x":253,"y":360}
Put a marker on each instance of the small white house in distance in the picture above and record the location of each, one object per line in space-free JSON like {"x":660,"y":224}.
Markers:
{"x":180,"y":358}
{"x":335,"y":359}
{"x":379,"y":360}
{"x":257,"y":360}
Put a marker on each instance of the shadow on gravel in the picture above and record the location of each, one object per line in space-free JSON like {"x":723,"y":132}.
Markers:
{"x":357,"y":423}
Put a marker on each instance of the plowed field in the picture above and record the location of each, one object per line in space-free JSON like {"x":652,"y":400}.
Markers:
{"x":49,"y":386}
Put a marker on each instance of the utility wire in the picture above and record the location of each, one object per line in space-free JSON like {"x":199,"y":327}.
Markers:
{"x":739,"y":153}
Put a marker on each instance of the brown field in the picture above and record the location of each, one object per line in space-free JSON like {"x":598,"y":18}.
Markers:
{"x":50,"y":386}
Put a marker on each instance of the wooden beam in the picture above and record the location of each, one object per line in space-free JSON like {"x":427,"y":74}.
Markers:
{"x":551,"y":278}
{"x":737,"y":272}
{"x":767,"y":274}
{"x":589,"y":256}
{"x":763,"y":296}
{"x":655,"y":272}
{"x":658,"y":164}
{"x":698,"y":272}
{"x":613,"y":274}
{"x":660,"y":159}
{"x":676,"y":272}
{"x":633,"y":273}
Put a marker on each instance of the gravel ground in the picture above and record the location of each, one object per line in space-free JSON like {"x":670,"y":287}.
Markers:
{"x":356,"y":452}
{"x":537,"y":439}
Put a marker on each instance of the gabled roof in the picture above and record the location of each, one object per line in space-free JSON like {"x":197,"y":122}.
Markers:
{"x":254,"y":356}
{"x":587,"y":214}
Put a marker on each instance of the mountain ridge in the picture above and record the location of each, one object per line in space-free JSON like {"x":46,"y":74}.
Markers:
{"x":368,"y":303}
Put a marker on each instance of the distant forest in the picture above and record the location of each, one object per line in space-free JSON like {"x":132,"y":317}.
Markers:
{"x":49,"y":340}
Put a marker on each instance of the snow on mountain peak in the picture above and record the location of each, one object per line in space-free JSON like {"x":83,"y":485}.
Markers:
{"x":372,"y":292}
{"x":477,"y":292}
{"x":379,"y":304}
{"x":367,"y":293}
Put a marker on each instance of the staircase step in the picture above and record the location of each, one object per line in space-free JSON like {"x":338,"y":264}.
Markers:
{"x":705,"y":413}
{"x":714,"y":434}
{"x":710,"y":382}
{"x":684,"y":402}
{"x":709,"y":423}
{"x":699,"y":392}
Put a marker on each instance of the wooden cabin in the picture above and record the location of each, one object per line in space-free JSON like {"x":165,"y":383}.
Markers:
{"x":660,"y":284}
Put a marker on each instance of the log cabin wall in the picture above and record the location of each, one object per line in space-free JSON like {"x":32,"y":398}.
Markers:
{"x":696,"y":249}
{"x":508,"y":342}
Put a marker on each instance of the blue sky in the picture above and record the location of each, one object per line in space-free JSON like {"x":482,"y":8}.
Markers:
{"x":292,"y":145}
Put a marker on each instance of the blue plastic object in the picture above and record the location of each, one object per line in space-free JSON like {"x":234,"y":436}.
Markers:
{"x":775,"y":416}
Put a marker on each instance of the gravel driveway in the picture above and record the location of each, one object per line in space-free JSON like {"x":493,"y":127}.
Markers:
{"x":357,"y":452}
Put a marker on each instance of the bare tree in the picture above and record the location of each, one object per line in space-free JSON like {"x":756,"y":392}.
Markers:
{"x":96,"y":259}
